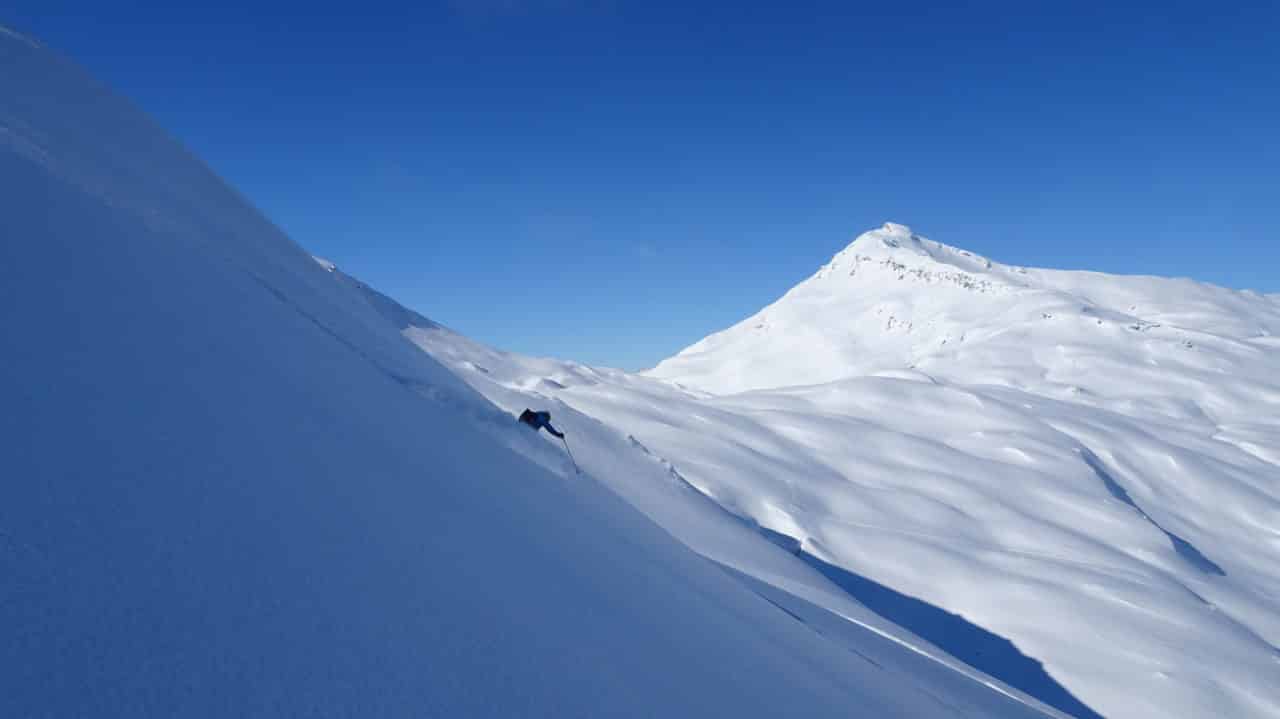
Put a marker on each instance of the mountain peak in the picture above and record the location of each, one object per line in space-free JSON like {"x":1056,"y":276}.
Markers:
{"x":894,"y":228}
{"x":893,"y":299}
{"x":896,"y":247}
{"x":894,"y":238}
{"x":890,"y":234}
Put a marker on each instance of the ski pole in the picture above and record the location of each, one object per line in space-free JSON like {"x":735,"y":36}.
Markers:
{"x":570,"y":453}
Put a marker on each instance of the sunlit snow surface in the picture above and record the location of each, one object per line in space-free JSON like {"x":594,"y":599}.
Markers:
{"x":1087,"y":465}
{"x":229,"y":486}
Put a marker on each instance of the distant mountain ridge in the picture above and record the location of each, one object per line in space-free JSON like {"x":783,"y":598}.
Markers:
{"x":893,"y":299}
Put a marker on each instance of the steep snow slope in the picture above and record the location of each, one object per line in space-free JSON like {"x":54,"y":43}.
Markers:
{"x":231,"y":488}
{"x":1084,"y":464}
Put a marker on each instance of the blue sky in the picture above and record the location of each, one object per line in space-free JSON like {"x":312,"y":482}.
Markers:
{"x":610,"y":181}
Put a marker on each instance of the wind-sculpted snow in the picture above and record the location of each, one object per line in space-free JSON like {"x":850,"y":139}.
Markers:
{"x":231,"y":487}
{"x":1086,"y":465}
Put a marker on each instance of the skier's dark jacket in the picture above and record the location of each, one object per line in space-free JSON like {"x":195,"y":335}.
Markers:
{"x":540,"y":420}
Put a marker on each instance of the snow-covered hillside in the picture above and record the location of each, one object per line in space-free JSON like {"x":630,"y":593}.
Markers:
{"x":893,"y":300}
{"x":1086,"y":465}
{"x":230,"y":487}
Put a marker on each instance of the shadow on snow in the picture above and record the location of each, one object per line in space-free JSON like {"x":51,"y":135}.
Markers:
{"x":1185,"y":549}
{"x":971,"y":644}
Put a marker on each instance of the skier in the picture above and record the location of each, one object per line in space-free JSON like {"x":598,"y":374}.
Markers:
{"x":540,"y":420}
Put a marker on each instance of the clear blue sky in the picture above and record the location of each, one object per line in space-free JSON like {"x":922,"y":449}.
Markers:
{"x":610,"y":181}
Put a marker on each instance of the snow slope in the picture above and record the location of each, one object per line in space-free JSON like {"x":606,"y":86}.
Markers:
{"x":232,"y":488}
{"x":1087,"y":465}
{"x":894,"y":300}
